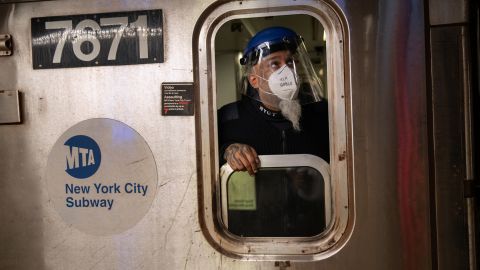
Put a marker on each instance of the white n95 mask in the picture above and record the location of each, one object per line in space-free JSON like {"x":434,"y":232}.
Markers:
{"x":283,"y":83}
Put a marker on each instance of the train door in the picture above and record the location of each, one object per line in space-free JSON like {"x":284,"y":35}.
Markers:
{"x":453,"y":119}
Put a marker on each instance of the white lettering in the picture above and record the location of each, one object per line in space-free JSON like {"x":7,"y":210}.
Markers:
{"x":72,"y":157}
{"x":67,"y":25}
{"x":91,"y":158}
{"x":84,"y":152}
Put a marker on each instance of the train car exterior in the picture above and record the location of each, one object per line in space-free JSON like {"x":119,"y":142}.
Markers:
{"x":108,"y":131}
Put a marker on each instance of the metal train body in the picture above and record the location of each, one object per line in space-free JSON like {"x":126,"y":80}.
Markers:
{"x":401,"y":79}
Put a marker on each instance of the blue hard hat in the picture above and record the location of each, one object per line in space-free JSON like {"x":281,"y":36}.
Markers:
{"x":277,"y":35}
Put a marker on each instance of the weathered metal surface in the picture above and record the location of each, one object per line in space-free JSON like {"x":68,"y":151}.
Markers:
{"x":5,"y":45}
{"x":448,"y":11}
{"x":9,"y":107}
{"x":33,"y":235}
{"x":388,"y":111}
{"x":449,"y":145}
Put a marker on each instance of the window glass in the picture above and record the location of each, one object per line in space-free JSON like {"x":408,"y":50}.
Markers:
{"x":276,"y":202}
{"x":289,"y":196}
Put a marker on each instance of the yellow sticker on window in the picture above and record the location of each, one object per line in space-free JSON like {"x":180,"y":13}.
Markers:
{"x":241,"y":192}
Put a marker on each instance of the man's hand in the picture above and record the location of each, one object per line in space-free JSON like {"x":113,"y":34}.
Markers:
{"x":242,"y":157}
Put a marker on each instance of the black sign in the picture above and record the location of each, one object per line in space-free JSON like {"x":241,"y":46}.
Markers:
{"x":121,"y":38}
{"x":177,"y":99}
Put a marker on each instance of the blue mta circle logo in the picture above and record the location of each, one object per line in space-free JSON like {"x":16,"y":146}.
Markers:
{"x":82,"y":156}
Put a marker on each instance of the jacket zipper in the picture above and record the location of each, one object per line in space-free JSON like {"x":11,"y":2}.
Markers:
{"x":284,"y":142}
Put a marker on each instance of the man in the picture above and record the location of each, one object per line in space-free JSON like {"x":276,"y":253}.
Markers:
{"x":281,"y":110}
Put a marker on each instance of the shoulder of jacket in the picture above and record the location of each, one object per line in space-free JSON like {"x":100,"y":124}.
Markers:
{"x":229,"y":112}
{"x":317,"y":107}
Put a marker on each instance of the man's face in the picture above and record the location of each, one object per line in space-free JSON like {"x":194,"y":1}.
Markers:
{"x":273,"y":62}
{"x":262,"y":71}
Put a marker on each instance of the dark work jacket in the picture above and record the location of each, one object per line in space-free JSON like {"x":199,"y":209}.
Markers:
{"x":244,"y":122}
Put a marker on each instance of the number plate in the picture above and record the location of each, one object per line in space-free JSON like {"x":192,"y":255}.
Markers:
{"x":121,"y":38}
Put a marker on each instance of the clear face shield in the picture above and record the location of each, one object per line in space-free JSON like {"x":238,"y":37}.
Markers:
{"x":277,"y":72}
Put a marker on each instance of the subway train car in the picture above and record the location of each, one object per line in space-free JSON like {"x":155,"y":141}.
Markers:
{"x":117,"y":121}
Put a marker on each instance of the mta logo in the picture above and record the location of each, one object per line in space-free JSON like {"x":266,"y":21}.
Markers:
{"x":82,"y":156}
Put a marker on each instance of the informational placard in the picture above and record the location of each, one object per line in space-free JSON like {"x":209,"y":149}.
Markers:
{"x":177,"y":99}
{"x":101,"y":176}
{"x":121,"y":38}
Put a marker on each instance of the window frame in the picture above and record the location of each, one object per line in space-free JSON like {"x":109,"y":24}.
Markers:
{"x":340,"y":132}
